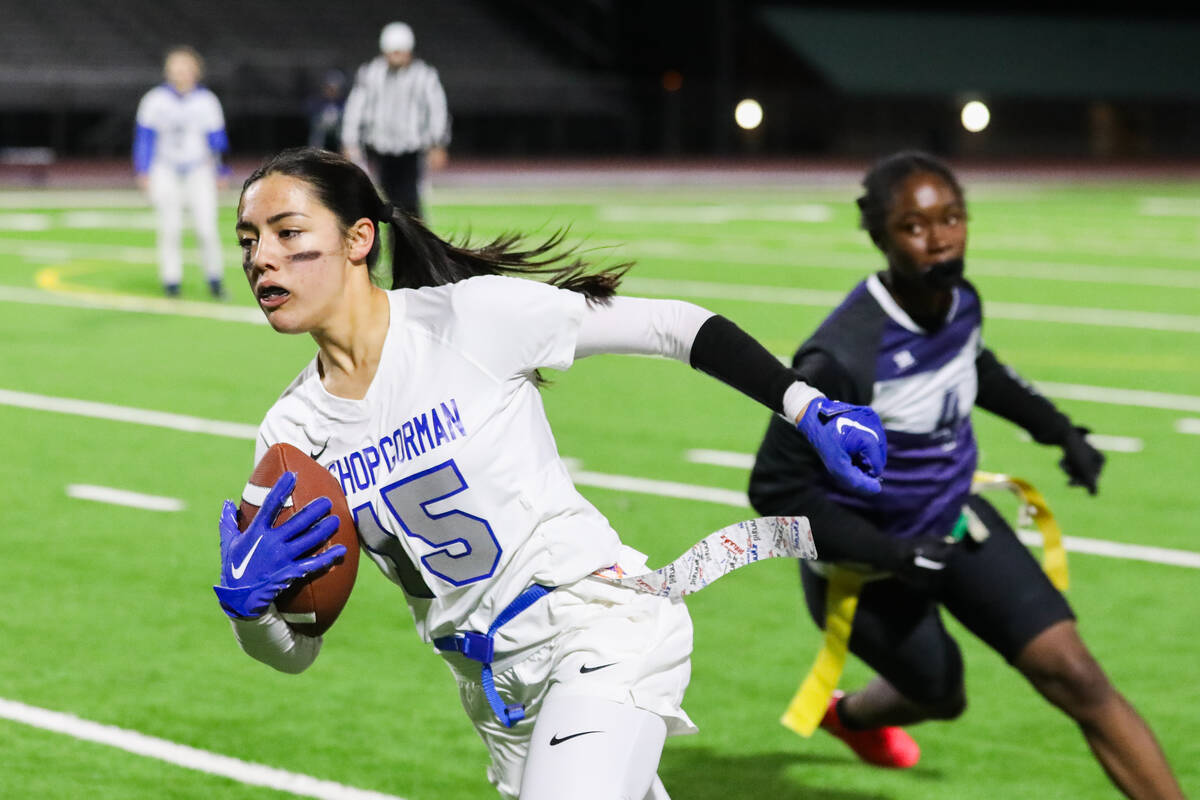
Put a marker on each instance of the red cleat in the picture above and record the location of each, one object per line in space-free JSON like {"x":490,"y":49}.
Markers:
{"x":884,"y":747}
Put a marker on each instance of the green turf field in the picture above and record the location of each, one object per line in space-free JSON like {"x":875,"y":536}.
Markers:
{"x":1092,"y":289}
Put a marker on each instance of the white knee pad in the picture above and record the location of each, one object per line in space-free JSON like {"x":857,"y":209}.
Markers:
{"x":586,"y":748}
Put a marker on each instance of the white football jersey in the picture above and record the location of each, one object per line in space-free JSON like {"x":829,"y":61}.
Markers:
{"x":181,"y":123}
{"x":448,"y":462}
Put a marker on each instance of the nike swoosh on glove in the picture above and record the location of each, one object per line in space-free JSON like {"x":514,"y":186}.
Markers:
{"x":262,"y":561}
{"x":1080,"y":460}
{"x":850,"y":441}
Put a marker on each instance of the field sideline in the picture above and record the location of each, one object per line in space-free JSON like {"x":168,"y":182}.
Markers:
{"x":120,"y":678}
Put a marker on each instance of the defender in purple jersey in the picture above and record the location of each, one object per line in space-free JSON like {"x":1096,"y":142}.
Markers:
{"x":908,"y":342}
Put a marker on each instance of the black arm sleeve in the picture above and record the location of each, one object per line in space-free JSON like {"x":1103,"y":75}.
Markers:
{"x":729,"y":354}
{"x":788,"y":479}
{"x":1006,"y":394}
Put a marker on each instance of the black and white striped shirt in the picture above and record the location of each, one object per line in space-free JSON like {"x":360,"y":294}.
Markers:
{"x":396,"y":111}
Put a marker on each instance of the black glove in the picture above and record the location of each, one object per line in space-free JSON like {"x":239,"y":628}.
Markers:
{"x":921,"y":561}
{"x":1080,"y":460}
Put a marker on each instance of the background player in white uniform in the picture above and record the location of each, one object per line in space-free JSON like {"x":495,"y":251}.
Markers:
{"x":423,"y":402}
{"x":177,"y":147}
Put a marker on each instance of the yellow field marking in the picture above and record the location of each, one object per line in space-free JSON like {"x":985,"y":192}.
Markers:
{"x":58,"y":278}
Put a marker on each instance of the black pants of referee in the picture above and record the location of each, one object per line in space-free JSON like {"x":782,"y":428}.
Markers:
{"x":400,"y":178}
{"x":996,"y":589}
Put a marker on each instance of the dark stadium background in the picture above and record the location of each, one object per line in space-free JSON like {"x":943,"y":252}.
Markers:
{"x":632,"y":80}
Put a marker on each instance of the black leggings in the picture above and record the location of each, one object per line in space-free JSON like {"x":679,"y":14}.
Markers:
{"x":997,"y":590}
{"x":400,"y":179}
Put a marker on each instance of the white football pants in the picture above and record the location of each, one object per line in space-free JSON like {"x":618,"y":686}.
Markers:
{"x":587,"y":748}
{"x":169,"y":191}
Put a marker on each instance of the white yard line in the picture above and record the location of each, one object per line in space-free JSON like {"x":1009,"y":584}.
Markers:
{"x":812,"y":251}
{"x":1169,"y":206}
{"x":599,"y":480}
{"x":1116,"y":444}
{"x":794,"y":250}
{"x":1188,"y":425}
{"x":680,"y":491}
{"x":139,"y":416}
{"x":123,"y":497}
{"x":1120,"y":397}
{"x":48,"y":250}
{"x":1097,"y":547}
{"x":133,"y":304}
{"x":182,"y":755}
{"x":780,"y":295}
{"x":252,"y":316}
{"x":720,"y":458}
{"x":1129,"y":552}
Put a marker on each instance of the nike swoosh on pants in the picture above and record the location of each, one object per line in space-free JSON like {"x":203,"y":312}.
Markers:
{"x":555,"y":740}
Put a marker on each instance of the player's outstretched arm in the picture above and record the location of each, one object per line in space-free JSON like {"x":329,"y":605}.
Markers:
{"x":260,"y":562}
{"x":849,"y":438}
{"x":1002,"y":391}
{"x":850,"y":441}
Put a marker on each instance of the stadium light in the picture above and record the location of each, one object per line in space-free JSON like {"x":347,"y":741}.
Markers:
{"x":975,"y":116}
{"x":748,"y":114}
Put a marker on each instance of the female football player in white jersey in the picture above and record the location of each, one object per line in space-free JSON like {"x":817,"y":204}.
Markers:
{"x":177,"y":147}
{"x":423,"y":402}
{"x":908,"y":342}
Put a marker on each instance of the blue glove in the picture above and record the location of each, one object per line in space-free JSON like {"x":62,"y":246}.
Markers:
{"x":850,"y":441}
{"x":258,"y":564}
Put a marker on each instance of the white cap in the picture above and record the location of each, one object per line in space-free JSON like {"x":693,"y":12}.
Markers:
{"x":396,"y":36}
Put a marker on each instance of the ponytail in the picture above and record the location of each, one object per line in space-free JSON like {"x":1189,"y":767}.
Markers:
{"x":422,"y":258}
{"x":419,"y":256}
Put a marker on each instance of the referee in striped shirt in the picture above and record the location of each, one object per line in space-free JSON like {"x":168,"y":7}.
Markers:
{"x":396,"y":119}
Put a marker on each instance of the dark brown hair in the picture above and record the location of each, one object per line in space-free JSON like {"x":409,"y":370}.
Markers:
{"x":419,"y":256}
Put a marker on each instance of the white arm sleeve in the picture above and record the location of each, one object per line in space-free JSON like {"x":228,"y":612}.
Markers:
{"x":640,"y":326}
{"x":271,"y":640}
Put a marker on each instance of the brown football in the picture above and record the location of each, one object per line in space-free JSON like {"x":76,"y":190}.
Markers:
{"x":312,"y":604}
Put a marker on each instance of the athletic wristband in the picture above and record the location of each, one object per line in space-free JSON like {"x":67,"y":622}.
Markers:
{"x":796,"y":399}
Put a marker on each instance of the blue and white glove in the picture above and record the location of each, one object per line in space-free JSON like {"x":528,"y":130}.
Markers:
{"x":850,"y":441}
{"x":258,"y":564}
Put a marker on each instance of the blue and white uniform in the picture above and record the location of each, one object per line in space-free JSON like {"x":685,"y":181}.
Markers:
{"x":461,"y":499}
{"x":177,"y":146}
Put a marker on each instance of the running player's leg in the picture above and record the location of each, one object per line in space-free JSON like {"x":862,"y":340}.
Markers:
{"x":898,"y":633}
{"x":1035,"y":630}
{"x":201,"y":186}
{"x":588,"y":748}
{"x":166,"y":193}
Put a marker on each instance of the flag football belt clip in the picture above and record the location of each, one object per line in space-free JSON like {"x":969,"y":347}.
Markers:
{"x":481,"y":647}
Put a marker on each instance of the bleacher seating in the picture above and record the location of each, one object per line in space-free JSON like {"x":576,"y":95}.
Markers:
{"x":263,"y":56}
